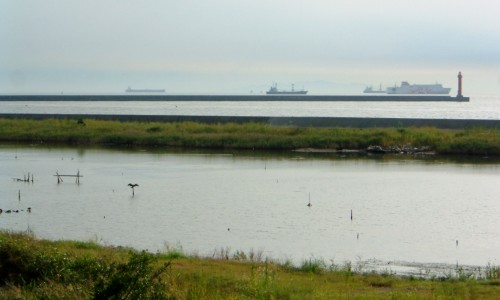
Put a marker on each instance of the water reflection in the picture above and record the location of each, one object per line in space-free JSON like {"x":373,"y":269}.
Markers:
{"x":404,"y":209}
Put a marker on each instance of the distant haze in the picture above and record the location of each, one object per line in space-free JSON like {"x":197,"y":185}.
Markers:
{"x":242,"y":47}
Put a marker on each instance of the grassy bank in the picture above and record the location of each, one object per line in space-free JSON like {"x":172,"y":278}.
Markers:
{"x":247,"y":136}
{"x":38,"y":269}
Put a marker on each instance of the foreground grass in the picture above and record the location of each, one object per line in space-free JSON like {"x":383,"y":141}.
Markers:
{"x":246,"y":136}
{"x":38,"y":269}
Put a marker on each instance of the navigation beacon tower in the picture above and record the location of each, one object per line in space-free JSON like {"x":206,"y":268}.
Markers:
{"x":459,"y":94}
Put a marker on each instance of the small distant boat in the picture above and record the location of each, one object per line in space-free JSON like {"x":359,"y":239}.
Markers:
{"x":273,"y":90}
{"x":131,"y":90}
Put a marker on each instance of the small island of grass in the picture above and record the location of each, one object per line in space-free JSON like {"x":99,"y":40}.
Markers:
{"x":255,"y":136}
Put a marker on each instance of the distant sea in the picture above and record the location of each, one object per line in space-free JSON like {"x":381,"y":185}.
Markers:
{"x":479,"y":107}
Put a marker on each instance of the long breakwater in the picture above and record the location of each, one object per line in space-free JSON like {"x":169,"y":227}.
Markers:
{"x":266,"y":98}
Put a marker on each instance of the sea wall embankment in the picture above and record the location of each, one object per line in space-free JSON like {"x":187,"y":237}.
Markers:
{"x":324,"y":122}
{"x":239,"y":98}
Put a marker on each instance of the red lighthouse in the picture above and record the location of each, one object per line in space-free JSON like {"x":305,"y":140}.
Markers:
{"x":459,"y":94}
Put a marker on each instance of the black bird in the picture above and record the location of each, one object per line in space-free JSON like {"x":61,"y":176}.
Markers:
{"x":133,"y":185}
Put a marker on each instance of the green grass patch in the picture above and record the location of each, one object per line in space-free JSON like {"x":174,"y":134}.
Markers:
{"x":245,"y":136}
{"x":37,"y":269}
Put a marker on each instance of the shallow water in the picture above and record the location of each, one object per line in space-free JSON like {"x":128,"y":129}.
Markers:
{"x":404,"y":210}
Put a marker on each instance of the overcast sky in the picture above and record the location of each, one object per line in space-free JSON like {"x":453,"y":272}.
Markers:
{"x":243,"y":46}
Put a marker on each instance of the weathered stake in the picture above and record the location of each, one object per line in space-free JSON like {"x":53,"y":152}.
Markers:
{"x":60,"y":176}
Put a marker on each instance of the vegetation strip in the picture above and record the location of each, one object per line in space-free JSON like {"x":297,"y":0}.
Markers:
{"x":297,"y":121}
{"x":475,"y":141}
{"x":39,"y":269}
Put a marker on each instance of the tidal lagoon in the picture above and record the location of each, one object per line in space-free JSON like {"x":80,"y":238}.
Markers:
{"x":409,"y":215}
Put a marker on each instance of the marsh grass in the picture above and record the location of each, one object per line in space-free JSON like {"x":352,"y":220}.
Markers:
{"x":38,"y":269}
{"x":245,"y":136}
{"x":172,"y":252}
{"x":492,"y":272}
{"x":313,"y":265}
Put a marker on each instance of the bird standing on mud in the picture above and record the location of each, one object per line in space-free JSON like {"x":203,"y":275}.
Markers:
{"x":133,"y":185}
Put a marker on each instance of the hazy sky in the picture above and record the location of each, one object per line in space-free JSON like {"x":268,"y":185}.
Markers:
{"x":238,"y":46}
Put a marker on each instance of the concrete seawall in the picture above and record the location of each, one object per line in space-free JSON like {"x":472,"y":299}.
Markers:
{"x":324,"y":122}
{"x":237,"y":98}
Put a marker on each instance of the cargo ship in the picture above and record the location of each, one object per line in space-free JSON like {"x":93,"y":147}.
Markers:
{"x":273,"y":90}
{"x":370,"y":90}
{"x":131,"y":90}
{"x":412,"y":89}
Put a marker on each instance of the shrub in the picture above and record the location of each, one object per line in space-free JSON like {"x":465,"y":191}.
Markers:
{"x":136,"y":279}
{"x":154,"y":129}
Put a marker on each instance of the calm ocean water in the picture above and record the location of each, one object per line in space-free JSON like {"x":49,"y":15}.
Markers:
{"x":479,"y":107}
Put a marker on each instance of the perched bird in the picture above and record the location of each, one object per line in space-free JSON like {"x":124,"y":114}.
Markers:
{"x":133,"y":185}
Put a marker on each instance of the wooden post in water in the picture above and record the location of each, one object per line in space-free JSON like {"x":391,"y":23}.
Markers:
{"x":60,"y":176}
{"x":28,"y":178}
